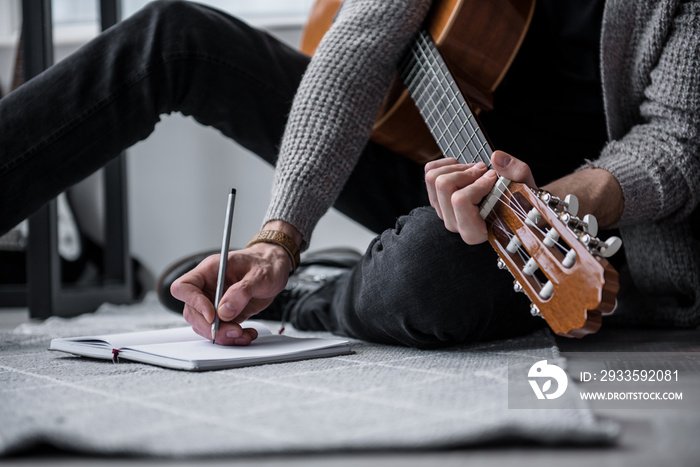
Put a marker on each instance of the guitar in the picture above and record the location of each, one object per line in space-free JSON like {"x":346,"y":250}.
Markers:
{"x":478,"y":53}
{"x":554,"y":257}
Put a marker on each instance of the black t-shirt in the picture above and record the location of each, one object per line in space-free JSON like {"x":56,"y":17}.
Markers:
{"x":548,"y":110}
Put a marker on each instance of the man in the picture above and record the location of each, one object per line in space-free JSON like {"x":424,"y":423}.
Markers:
{"x":393,"y":295}
{"x":403,"y":290}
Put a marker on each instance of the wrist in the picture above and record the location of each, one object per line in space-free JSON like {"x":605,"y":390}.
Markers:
{"x":598,"y":191}
{"x":286,"y":228}
{"x":278,"y":238}
{"x":273,"y":254}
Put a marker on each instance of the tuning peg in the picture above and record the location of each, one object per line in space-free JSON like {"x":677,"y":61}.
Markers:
{"x":547,"y":290}
{"x":513,"y":245}
{"x":605,"y":249}
{"x":500,"y":264}
{"x":569,"y":259}
{"x":551,"y":237}
{"x":534,"y":311}
{"x":517,"y":287}
{"x":591,"y":224}
{"x":612,"y":246}
{"x":571,"y":202}
{"x":533,"y":217}
{"x":588,"y":225}
{"x":530,"y":267}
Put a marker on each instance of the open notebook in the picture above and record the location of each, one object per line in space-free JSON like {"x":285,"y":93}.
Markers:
{"x":183,"y":349}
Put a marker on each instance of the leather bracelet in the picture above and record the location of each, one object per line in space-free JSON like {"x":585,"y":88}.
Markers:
{"x":279,"y":238}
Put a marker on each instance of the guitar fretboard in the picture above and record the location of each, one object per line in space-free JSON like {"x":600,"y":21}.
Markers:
{"x":440,"y":102}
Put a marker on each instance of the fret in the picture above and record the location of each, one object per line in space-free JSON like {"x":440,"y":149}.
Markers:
{"x":445,"y":79}
{"x":441,"y":104}
{"x":427,"y":96}
{"x":428,"y":81}
{"x":443,"y":91}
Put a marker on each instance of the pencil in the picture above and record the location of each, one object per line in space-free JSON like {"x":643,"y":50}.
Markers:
{"x":222,"y":262}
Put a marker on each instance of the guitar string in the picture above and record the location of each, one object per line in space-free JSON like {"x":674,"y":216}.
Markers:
{"x":421,"y":99}
{"x":419,"y":89}
{"x":423,"y":84}
{"x":430,"y":67}
{"x":410,"y":73}
{"x":445,"y":78}
{"x":427,"y":55}
{"x":484,"y":150}
{"x":500,"y":225}
{"x":417,"y":67}
{"x":520,"y":212}
{"x":422,"y":71}
{"x":524,"y":255}
{"x":428,"y":44}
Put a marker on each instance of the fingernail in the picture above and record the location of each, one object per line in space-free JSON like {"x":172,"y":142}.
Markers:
{"x":233,"y":333}
{"x":226,"y":309}
{"x":480,"y":165}
{"x":502,"y":159}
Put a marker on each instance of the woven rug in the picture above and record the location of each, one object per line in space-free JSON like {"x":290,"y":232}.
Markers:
{"x":380,"y":397}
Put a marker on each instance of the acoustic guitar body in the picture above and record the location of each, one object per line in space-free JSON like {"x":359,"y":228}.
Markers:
{"x":478,"y":40}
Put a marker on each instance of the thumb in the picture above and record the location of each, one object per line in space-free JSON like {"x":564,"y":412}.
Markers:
{"x":511,"y":168}
{"x":234,"y":300}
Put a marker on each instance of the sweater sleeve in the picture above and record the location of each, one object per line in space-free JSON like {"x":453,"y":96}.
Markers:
{"x":657,"y":159}
{"x":336,"y":104}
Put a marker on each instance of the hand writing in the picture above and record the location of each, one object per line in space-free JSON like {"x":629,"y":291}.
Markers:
{"x":254,"y":276}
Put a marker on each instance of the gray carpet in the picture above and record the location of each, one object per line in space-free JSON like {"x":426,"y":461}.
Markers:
{"x":381,"y":397}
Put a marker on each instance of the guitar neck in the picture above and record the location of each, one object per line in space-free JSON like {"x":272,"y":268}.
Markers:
{"x":440,"y":102}
{"x":558,"y":263}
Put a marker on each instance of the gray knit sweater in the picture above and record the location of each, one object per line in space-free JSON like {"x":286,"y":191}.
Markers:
{"x":336,"y":104}
{"x":650,"y":54}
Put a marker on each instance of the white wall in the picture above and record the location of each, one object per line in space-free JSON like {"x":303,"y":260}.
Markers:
{"x":178,"y":181}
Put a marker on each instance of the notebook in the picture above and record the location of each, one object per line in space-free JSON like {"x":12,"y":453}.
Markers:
{"x":183,"y":349}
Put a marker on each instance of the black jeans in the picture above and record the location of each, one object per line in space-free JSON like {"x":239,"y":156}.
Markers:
{"x":69,"y":121}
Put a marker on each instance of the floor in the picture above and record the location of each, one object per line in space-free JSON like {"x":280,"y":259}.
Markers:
{"x":649,"y":436}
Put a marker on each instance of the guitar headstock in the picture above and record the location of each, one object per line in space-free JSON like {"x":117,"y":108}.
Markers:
{"x":554,"y":256}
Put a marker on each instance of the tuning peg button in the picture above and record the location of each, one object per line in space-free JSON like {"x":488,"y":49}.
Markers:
{"x":605,"y":249}
{"x":612,"y":246}
{"x":571,"y":202}
{"x":590,"y":224}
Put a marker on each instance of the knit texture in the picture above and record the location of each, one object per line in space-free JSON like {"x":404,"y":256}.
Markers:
{"x":336,"y":104}
{"x":650,"y":62}
{"x":650,"y":55}
{"x":651,"y":58}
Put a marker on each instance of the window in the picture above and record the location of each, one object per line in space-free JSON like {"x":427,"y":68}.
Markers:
{"x":71,"y":12}
{"x":82,"y":15}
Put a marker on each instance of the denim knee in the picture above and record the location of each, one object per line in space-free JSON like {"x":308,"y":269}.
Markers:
{"x":404,"y":291}
{"x":184,"y":22}
{"x":422,"y":286}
